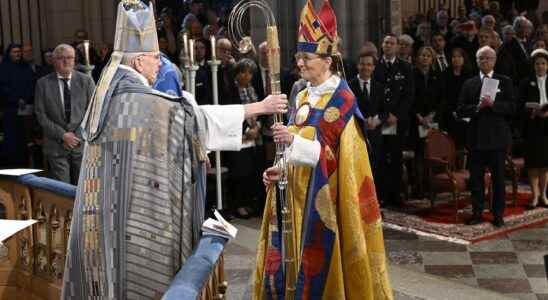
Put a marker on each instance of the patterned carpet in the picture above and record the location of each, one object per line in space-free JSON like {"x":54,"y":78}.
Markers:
{"x":417,"y":217}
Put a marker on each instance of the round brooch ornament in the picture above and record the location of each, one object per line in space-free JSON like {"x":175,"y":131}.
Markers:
{"x":533,"y":83}
{"x":331,"y":114}
{"x":302,"y":114}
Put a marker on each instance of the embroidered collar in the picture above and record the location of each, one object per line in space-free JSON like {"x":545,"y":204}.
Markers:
{"x":329,"y":86}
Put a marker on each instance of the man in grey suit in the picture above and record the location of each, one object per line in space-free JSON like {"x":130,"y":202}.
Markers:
{"x":61,"y":100}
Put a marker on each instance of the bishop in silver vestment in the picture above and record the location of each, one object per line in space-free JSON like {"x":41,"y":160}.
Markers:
{"x":132,"y":225}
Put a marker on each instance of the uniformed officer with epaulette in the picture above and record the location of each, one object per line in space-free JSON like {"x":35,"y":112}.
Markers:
{"x":397,"y":78}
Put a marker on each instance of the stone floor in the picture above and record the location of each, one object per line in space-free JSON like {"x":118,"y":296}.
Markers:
{"x":240,"y":258}
{"x":512,"y":265}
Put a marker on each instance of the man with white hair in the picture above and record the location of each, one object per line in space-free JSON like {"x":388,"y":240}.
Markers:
{"x":489,"y":136}
{"x":135,"y":218}
{"x":521,"y":45}
{"x":224,"y":76}
{"x":405,"y":52}
{"x":61,"y":100}
{"x":523,"y":28}
{"x":262,"y":84}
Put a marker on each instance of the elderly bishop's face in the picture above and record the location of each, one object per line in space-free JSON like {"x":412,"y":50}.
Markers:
{"x":148,"y":65}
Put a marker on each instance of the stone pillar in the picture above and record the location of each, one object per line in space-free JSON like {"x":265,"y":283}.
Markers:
{"x":64,"y":17}
{"x":396,"y":17}
{"x":108,"y":21}
{"x":93,"y":24}
{"x":101,"y":21}
{"x":20,"y":23}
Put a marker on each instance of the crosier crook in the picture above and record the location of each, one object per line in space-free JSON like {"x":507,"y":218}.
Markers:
{"x":235,"y":22}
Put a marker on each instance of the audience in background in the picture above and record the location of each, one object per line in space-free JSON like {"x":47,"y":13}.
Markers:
{"x":403,"y":85}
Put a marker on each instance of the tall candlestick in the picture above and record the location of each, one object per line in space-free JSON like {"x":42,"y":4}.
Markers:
{"x":191,"y":47}
{"x":86,"y":52}
{"x":185,"y":44}
{"x":213,"y":48}
{"x":214,"y":64}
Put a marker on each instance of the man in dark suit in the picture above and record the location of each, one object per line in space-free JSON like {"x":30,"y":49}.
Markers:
{"x":369,"y":94}
{"x":520,"y":47}
{"x":61,"y":100}
{"x":395,"y":74}
{"x":442,"y":58}
{"x":489,"y":136}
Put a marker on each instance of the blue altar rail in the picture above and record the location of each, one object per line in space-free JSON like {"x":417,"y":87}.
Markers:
{"x":197,"y":270}
{"x":51,"y":185}
{"x":193,"y":278}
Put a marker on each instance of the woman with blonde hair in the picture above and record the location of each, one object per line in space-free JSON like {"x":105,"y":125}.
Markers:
{"x":424,"y":110}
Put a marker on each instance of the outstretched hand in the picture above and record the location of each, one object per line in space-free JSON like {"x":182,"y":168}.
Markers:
{"x":275,"y":104}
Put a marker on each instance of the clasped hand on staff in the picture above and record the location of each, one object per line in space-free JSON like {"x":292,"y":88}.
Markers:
{"x":281,"y":135}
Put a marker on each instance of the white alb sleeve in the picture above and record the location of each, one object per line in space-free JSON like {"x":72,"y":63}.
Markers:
{"x":224,"y":125}
{"x":303,"y":152}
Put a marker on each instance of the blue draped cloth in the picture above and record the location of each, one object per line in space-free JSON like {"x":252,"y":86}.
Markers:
{"x":168,"y":80}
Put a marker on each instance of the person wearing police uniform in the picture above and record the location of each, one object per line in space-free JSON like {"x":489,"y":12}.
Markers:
{"x":395,"y":75}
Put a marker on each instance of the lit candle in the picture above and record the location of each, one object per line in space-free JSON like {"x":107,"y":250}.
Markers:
{"x":213,"y":49}
{"x":185,"y":44}
{"x":191,"y":47}
{"x":86,"y":52}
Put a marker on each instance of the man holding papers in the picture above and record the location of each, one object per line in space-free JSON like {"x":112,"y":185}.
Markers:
{"x":488,"y":100}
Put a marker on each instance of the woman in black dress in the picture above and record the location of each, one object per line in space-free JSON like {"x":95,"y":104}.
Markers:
{"x":424,"y":111}
{"x":245,"y":165}
{"x":533,"y":93}
{"x":453,"y":78}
